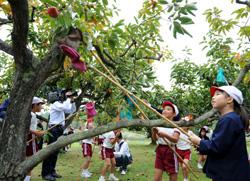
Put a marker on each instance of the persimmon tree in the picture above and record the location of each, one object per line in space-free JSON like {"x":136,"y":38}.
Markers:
{"x":37,"y":63}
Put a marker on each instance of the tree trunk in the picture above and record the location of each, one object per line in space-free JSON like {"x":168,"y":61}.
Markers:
{"x":15,"y":127}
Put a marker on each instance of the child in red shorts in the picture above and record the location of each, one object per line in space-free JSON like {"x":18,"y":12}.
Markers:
{"x":87,"y":153}
{"x":32,"y":146}
{"x":165,"y":159}
{"x":107,"y":153}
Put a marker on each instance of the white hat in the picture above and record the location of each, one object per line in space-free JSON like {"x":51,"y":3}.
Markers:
{"x":232,"y":91}
{"x":37,"y":100}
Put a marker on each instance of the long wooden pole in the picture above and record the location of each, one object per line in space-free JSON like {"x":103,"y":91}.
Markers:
{"x":139,"y":100}
{"x":137,"y":106}
{"x":69,"y":117}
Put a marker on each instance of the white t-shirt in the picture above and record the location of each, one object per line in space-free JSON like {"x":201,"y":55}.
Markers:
{"x":33,"y":122}
{"x":169,"y":131}
{"x":182,"y":144}
{"x":124,"y":150}
{"x":107,"y":139}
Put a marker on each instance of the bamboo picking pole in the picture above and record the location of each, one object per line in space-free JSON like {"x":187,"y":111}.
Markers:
{"x":137,"y":106}
{"x":139,"y":100}
{"x":69,"y":117}
{"x":113,"y":77}
{"x":189,"y":168}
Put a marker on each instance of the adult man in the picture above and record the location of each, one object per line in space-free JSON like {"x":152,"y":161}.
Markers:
{"x":122,"y":155}
{"x":64,"y":105}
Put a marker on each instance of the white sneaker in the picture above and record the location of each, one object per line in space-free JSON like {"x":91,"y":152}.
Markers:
{"x":85,"y":174}
{"x":101,"y":178}
{"x":199,"y":166}
{"x":123,"y":172}
{"x":112,"y":177}
{"x":89,"y":173}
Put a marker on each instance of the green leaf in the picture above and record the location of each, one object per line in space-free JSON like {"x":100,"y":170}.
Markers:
{"x":186,"y":20}
{"x":50,"y":2}
{"x":105,"y":2}
{"x":162,"y":2}
{"x":170,"y":8}
{"x":178,"y":27}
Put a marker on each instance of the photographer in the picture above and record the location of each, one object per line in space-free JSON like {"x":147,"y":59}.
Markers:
{"x":63,"y":105}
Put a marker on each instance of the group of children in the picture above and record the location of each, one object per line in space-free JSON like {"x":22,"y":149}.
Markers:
{"x":107,"y":143}
{"x":225,"y":153}
{"x":227,"y":158}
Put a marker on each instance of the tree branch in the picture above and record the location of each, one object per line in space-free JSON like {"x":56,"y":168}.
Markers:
{"x":54,"y":77}
{"x":242,"y":74}
{"x":5,"y":21}
{"x":32,"y":161}
{"x":152,"y":58}
{"x":100,"y":54}
{"x":130,"y":46}
{"x":106,"y":53}
{"x":243,"y":2}
{"x":6,"y":47}
{"x":20,"y":14}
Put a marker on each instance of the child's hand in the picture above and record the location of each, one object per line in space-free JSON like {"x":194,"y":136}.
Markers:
{"x":194,"y":138}
{"x":155,"y":130}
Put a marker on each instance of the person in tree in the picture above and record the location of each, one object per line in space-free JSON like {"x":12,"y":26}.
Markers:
{"x":32,"y":146}
{"x":166,"y":160}
{"x":227,"y":158}
{"x":202,"y":158}
{"x":107,"y":153}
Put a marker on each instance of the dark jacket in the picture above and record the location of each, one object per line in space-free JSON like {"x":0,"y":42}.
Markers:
{"x":227,"y":153}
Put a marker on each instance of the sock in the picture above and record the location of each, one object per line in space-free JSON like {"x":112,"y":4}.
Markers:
{"x":27,"y":178}
{"x":185,"y":179}
{"x":102,"y":177}
{"x":84,"y":170}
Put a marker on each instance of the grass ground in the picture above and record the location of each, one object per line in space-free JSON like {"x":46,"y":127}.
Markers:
{"x":142,"y":169}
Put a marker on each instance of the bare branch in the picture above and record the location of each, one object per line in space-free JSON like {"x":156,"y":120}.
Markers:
{"x":20,"y":14}
{"x":126,"y":51}
{"x":107,"y":54}
{"x":242,"y":74}
{"x":54,"y":77}
{"x":5,"y":21}
{"x":243,"y":2}
{"x":6,"y":47}
{"x":100,"y":54}
{"x":32,"y":161}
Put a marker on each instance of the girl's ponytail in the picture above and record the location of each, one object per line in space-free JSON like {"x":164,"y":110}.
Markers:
{"x":244,"y":114}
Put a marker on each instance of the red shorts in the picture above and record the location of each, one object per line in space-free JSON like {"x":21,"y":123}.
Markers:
{"x":100,"y":141}
{"x":31,"y":147}
{"x":185,"y":154}
{"x":107,"y":153}
{"x":166,"y":160}
{"x":86,"y":150}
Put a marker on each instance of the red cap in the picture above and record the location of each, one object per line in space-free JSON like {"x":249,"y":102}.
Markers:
{"x":168,"y":103}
